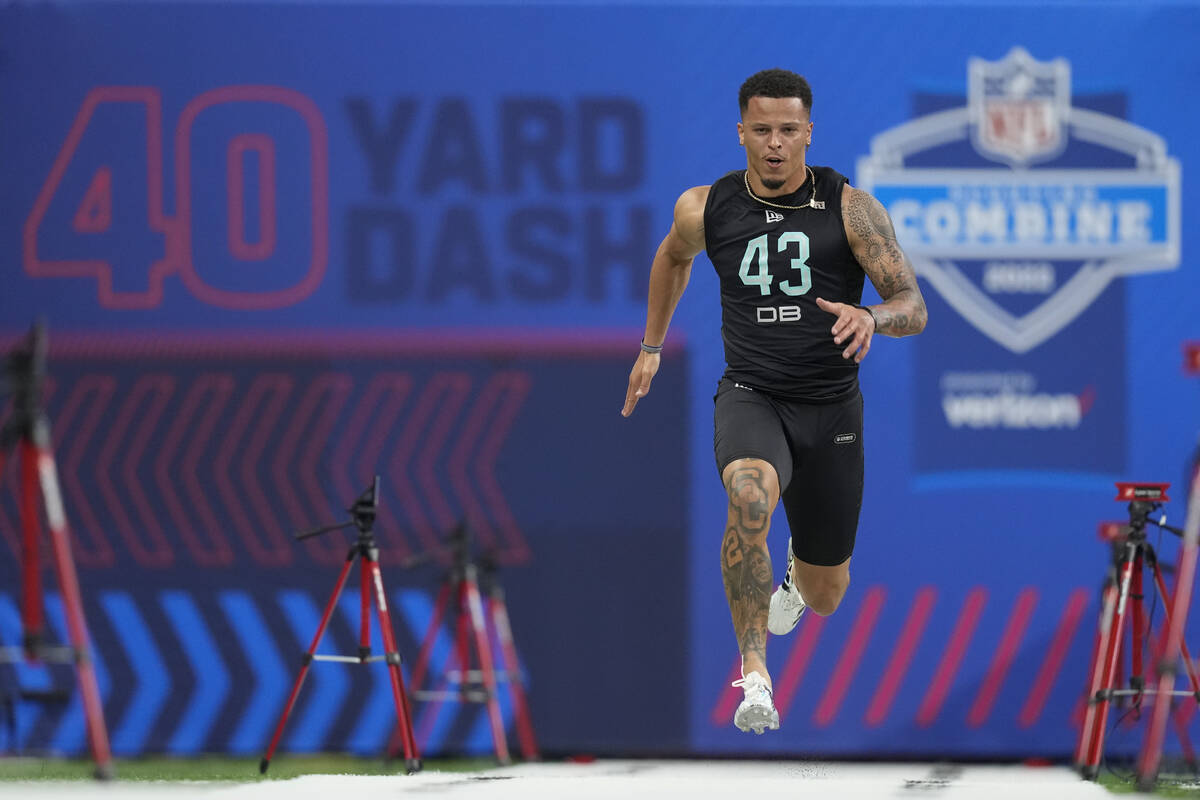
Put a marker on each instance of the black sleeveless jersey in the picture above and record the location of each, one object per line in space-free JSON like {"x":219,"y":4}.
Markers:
{"x":773,"y":263}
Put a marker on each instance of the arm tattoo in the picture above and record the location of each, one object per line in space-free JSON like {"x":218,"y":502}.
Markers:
{"x":877,"y":250}
{"x":745,"y":562}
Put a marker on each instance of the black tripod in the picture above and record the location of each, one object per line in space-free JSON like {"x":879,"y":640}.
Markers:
{"x":363,"y":514}
{"x":28,"y":429}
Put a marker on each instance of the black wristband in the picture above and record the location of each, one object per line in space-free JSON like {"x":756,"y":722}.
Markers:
{"x":650,"y":348}
{"x":869,"y":311}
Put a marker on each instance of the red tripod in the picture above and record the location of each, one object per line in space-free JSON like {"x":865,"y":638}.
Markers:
{"x":29,"y":429}
{"x":473,"y":627}
{"x":1103,"y":688}
{"x":363,"y":512}
{"x":1172,"y":639}
{"x":497,"y":615}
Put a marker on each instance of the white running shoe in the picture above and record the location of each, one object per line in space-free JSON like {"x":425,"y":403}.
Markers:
{"x":786,"y":603}
{"x":757,"y":711}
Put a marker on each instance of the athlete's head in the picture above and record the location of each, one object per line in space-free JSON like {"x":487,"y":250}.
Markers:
{"x":777,"y":83}
{"x":775,"y":128}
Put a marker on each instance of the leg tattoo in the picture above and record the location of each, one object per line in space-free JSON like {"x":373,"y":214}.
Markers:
{"x":745,"y":562}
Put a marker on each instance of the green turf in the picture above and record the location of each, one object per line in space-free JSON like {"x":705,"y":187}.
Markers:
{"x":216,"y":768}
{"x":1168,"y":785}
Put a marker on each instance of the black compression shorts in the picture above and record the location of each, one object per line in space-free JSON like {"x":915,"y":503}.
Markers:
{"x":817,"y":452}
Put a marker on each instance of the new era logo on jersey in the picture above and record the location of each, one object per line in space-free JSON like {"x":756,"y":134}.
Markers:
{"x":774,"y":216}
{"x":844,"y":438}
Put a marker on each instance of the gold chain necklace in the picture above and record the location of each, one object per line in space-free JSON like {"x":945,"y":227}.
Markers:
{"x":809,"y":204}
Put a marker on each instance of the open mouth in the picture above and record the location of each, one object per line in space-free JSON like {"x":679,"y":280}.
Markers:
{"x":774,"y":162}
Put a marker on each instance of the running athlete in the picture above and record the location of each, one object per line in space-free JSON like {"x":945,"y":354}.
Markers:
{"x":791,"y":244}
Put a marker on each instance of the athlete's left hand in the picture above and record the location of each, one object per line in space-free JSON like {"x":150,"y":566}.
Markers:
{"x":854,"y":325}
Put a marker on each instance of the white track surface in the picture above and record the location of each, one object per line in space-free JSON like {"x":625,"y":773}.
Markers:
{"x":625,"y":780}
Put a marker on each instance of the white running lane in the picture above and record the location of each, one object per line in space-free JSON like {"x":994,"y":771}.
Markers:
{"x":624,"y":780}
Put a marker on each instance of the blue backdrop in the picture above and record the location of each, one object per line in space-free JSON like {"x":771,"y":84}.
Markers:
{"x":282,"y":247}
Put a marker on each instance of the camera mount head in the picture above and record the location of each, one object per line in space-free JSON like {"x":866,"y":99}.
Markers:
{"x":366,"y":508}
{"x":362,"y":516}
{"x":25,"y":372}
{"x":1144,"y":499}
{"x":26,"y":364}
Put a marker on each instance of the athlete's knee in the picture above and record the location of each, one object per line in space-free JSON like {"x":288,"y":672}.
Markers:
{"x":825,"y":597}
{"x":822,"y":587}
{"x":753,"y":493}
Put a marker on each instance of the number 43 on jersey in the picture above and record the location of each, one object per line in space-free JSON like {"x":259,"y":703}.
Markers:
{"x":755,"y":270}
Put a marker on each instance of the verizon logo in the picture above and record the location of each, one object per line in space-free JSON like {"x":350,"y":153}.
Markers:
{"x":1009,"y":410}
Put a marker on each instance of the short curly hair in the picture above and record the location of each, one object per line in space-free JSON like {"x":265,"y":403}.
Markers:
{"x":775,"y":83}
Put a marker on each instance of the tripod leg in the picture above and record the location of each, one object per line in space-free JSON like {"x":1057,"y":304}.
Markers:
{"x":1108,"y":607}
{"x":1188,"y":664}
{"x":1172,"y":639}
{"x":498,"y":612}
{"x":32,"y":614}
{"x":392,"y":656}
{"x":68,"y":582}
{"x":364,"y":608}
{"x":1091,"y":764}
{"x":463,"y":638}
{"x":486,"y":666}
{"x":1137,"y":679}
{"x":423,"y":656}
{"x":307,"y":659}
{"x":1185,"y":741}
{"x":435,"y":622}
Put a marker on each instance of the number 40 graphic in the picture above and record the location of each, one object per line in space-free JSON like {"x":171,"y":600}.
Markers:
{"x":249,"y":269}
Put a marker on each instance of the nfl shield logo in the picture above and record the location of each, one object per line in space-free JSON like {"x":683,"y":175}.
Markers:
{"x":1075,"y":197}
{"x":1022,"y":248}
{"x":1019,"y":107}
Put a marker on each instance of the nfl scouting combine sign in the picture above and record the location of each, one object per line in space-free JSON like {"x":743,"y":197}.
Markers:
{"x":1021,"y":207}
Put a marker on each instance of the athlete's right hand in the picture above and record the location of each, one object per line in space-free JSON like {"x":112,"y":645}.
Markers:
{"x":644,"y":370}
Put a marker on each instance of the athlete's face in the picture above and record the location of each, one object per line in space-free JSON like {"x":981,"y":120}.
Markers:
{"x":776,"y":132}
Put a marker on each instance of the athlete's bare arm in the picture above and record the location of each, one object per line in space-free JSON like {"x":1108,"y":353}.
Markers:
{"x":669,"y":273}
{"x":873,"y":241}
